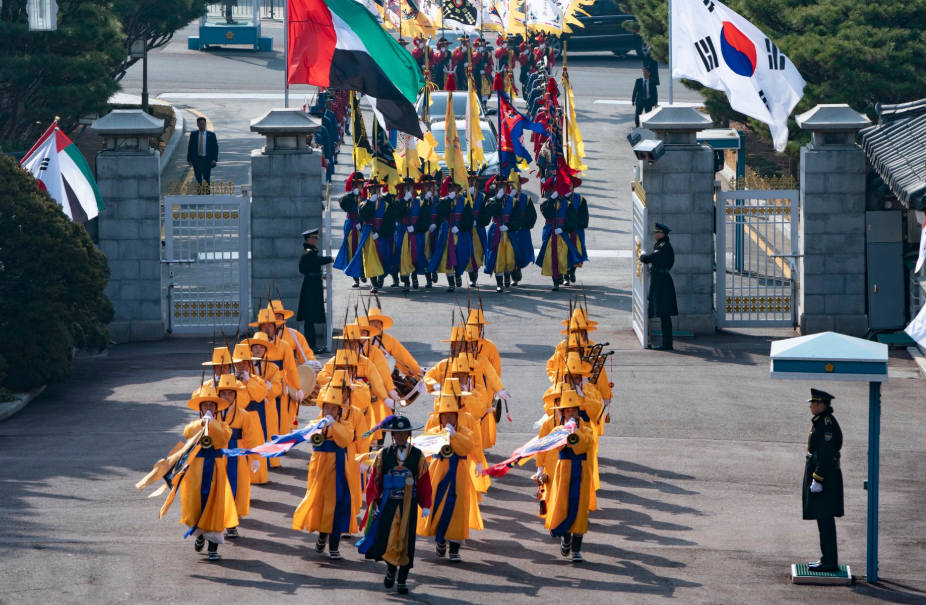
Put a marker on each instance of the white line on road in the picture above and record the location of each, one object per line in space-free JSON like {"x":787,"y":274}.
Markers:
{"x":592,"y":254}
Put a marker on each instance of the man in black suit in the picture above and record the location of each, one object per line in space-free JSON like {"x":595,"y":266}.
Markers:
{"x":644,"y":95}
{"x":202,"y":152}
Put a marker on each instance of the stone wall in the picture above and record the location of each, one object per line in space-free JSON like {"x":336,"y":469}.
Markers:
{"x":832,"y":240}
{"x":679,"y":194}
{"x":287,"y":196}
{"x":129,"y":235}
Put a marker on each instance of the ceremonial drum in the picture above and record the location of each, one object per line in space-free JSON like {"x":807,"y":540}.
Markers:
{"x":310,"y":386}
{"x":405,"y":386}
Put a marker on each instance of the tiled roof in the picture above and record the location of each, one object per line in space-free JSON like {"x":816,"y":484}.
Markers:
{"x":896,"y":149}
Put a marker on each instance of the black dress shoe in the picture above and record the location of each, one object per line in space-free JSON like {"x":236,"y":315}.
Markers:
{"x":664,"y":348}
{"x":821,"y":568}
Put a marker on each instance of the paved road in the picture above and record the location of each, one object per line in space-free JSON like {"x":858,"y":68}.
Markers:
{"x":701,"y":466}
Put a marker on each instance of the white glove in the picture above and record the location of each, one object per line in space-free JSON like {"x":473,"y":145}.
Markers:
{"x":421,"y":387}
{"x":450,"y":429}
{"x":329,"y":420}
{"x":432,"y":228}
{"x":411,"y":229}
{"x":482,"y":71}
{"x":503,"y":395}
{"x":536,"y":476}
{"x":255,"y":466}
{"x":500,"y":193}
{"x":425,"y":513}
{"x":291,"y":392}
{"x":571,"y":425}
{"x":436,"y":388}
{"x":375,"y":236}
{"x":390,"y":403}
{"x":815,"y":488}
{"x":207,"y":418}
{"x":607,"y":402}
{"x":466,"y":65}
{"x":455,"y":230}
{"x":358,"y":225}
{"x":503,"y":228}
{"x":452,"y":195}
{"x":300,"y":395}
{"x":269,"y":384}
{"x":478,"y":469}
{"x":558,"y":231}
{"x":245,"y":376}
{"x":394,"y":394}
{"x":315,"y":364}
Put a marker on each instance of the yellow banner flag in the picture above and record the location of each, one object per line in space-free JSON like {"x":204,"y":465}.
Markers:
{"x":474,"y":138}
{"x":575,"y":148}
{"x":453,"y":153}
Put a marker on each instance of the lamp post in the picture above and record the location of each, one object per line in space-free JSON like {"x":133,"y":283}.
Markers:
{"x":139,"y":50}
{"x":43,"y":15}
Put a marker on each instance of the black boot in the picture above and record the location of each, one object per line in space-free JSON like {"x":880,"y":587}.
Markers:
{"x":499,"y":281}
{"x":555,"y":284}
{"x":389,"y":580}
{"x":395,"y":280}
{"x":450,"y":282}
{"x":577,"y":548}
{"x":473,"y":276}
{"x":414,"y":281}
{"x":572,"y":275}
{"x":356,"y":283}
{"x":565,"y":546}
{"x":508,"y":280}
{"x":321,"y":542}
{"x":428,"y":281}
{"x":516,"y":277}
{"x":405,"y":284}
{"x":459,"y":280}
{"x":214,"y":551}
{"x":455,"y":552}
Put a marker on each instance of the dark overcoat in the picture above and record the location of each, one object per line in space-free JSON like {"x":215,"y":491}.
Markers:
{"x":312,"y":295}
{"x":823,"y":445}
{"x":662,"y":302}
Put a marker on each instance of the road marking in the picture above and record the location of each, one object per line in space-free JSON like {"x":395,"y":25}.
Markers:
{"x":624,"y":102}
{"x":602,"y":253}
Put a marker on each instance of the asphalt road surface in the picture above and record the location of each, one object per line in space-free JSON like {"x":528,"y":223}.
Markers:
{"x":701,"y":465}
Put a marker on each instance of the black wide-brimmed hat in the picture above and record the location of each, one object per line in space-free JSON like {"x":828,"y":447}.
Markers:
{"x":394,"y":424}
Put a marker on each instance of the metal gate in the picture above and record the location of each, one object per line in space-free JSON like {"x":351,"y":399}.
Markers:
{"x":206,"y":252}
{"x":640,"y":289}
{"x":757,"y":248}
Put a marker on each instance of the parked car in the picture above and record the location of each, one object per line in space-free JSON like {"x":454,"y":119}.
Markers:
{"x":489,"y":148}
{"x":438,"y":108}
{"x":604,"y":30}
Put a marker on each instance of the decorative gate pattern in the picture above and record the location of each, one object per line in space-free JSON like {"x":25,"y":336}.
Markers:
{"x":640,"y":289}
{"x":206,"y":249}
{"x":757,"y":242}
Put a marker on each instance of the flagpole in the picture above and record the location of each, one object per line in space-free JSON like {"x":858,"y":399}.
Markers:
{"x":285,"y":53}
{"x":670,"y":53}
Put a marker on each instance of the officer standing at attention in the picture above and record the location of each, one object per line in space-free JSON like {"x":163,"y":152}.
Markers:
{"x":662,"y":303}
{"x":822,"y":493}
{"x":311,"y":297}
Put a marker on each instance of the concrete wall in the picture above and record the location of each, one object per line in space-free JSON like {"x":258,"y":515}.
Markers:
{"x":287,"y":196}
{"x":832,"y":240}
{"x":129,"y":236}
{"x":679,"y":194}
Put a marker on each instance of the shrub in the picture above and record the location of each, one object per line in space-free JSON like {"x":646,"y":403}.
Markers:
{"x":51,"y":285}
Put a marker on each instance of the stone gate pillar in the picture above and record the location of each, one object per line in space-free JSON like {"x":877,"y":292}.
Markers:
{"x":286,"y":199}
{"x":128,"y":175}
{"x":832,"y":230}
{"x":679,"y":193}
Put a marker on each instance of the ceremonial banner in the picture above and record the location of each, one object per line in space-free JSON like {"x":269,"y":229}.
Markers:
{"x":430,"y":444}
{"x":718,"y":48}
{"x":917,"y":328}
{"x":384,"y":166}
{"x":575,"y":147}
{"x":556,"y":439}
{"x":363,"y":151}
{"x":571,"y":9}
{"x":61,"y":170}
{"x":453,"y":153}
{"x":460,"y":14}
{"x":340,"y":44}
{"x":474,"y":138}
{"x":280,"y":444}
{"x":543,"y":16}
{"x":512,"y":155}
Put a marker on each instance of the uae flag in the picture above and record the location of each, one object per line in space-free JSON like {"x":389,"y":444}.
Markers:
{"x":339,"y":44}
{"x":61,"y":170}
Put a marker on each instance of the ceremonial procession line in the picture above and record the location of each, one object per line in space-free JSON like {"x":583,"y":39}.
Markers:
{"x":427,"y":486}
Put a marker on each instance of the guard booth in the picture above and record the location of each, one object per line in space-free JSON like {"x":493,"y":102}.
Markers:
{"x":231,"y":22}
{"x":826,"y":357}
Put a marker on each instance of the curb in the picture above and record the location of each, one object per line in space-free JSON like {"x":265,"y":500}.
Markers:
{"x":22,"y":400}
{"x":918,"y":357}
{"x":174,"y":140}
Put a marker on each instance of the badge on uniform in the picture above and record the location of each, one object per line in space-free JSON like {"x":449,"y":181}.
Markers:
{"x":827,"y":436}
{"x":827,"y":420}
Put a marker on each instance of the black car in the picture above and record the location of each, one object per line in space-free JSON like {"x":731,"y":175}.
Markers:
{"x":603,"y":31}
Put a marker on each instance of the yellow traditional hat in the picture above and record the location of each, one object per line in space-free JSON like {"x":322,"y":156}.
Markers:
{"x":554,"y":392}
{"x":377,"y":315}
{"x":579,"y":325}
{"x":340,"y":378}
{"x":204,"y":394}
{"x":279,"y":308}
{"x":220,"y":357}
{"x":453,"y":387}
{"x":266,"y":316}
{"x":345,"y":357}
{"x":575,"y":341}
{"x":445,"y":403}
{"x":580,"y":315}
{"x":477,"y":318}
{"x":332,"y":395}
{"x":261,"y":339}
{"x":364,"y":323}
{"x":457,"y":334}
{"x":243,"y":352}
{"x":460,"y":365}
{"x":351,"y":332}
{"x":569,"y":399}
{"x":576,"y":366}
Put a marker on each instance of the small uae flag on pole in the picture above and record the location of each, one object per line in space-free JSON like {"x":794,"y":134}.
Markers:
{"x":61,"y":170}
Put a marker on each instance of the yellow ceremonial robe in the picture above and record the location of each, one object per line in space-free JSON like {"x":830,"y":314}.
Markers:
{"x":219,"y":510}
{"x":316,"y":511}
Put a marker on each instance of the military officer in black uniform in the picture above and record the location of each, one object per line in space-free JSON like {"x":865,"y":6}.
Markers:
{"x":822,"y":494}
{"x":662,"y":303}
{"x":311,"y":297}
